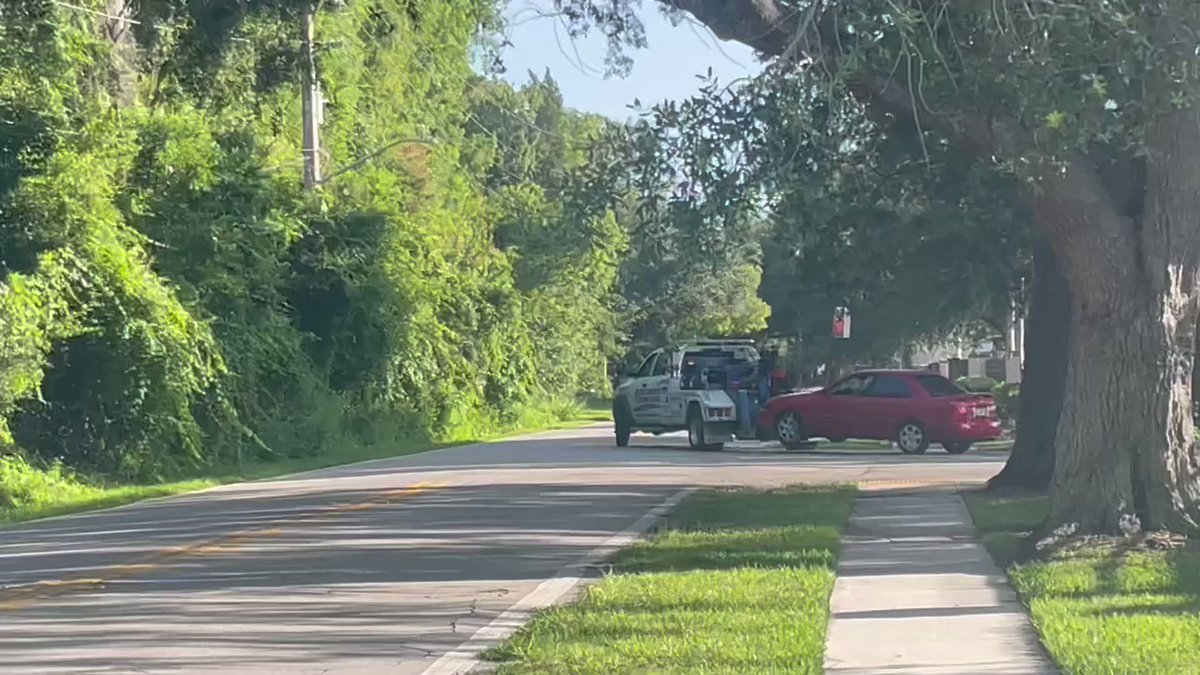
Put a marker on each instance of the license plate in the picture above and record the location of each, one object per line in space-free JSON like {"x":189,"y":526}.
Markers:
{"x":981,"y":412}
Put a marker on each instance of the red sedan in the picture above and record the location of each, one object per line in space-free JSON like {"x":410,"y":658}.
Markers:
{"x":911,"y":407}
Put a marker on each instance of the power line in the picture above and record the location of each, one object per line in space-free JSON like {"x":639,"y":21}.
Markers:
{"x":375,"y":153}
{"x":68,"y":5}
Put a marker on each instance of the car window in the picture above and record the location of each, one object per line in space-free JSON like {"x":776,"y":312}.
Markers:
{"x":936,"y":385}
{"x":660,"y":366}
{"x":648,"y":365}
{"x":854,"y":385}
{"x":889,"y":386}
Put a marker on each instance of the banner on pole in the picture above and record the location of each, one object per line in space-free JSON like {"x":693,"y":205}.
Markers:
{"x":841,"y":323}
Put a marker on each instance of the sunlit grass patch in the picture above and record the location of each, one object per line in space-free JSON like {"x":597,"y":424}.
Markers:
{"x":739,"y":583}
{"x":1103,"y":610}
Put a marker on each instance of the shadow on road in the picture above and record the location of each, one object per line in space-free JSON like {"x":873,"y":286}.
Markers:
{"x":345,"y":584}
{"x":350,"y":565}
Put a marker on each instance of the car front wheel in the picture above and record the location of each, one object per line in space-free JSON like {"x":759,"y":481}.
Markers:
{"x":912,"y":439}
{"x":790,"y":431}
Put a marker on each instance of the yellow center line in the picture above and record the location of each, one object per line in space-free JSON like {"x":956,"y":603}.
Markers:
{"x":21,"y":596}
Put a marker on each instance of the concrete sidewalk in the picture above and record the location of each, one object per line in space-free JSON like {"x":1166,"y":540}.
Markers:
{"x":917,"y":593}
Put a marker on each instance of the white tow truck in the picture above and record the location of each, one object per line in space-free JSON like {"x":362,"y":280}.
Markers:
{"x":691,"y":387}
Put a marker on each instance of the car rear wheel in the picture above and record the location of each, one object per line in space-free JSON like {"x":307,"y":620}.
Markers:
{"x":912,"y":439}
{"x":956,"y":448}
{"x":695,"y":427}
{"x":623,"y":425}
{"x":789,"y":429}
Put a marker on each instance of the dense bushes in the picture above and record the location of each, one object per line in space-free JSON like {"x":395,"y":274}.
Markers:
{"x":1008,"y":395}
{"x":170,"y":298}
{"x":977,"y":385}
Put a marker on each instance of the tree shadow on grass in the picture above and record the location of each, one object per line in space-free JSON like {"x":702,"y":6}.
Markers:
{"x":799,"y":546}
{"x":730,"y":529}
{"x":1151,"y":605}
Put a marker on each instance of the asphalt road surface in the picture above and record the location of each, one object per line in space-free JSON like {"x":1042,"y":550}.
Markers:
{"x":406,"y":565}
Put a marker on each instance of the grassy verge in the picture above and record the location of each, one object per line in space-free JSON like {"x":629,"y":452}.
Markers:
{"x":1100,"y":609}
{"x":739,"y":582}
{"x":28,"y":493}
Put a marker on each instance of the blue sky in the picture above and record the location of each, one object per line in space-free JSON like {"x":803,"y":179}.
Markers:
{"x":667,"y":69}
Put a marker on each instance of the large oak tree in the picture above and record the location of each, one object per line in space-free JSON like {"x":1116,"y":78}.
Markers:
{"x":1094,"y":105}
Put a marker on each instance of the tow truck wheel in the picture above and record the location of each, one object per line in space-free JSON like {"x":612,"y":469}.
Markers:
{"x":695,"y":429}
{"x":622,"y":425}
{"x":790,"y":431}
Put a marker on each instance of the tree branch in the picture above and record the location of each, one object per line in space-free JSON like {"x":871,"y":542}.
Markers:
{"x":764,"y":25}
{"x":804,"y":35}
{"x":1077,"y":213}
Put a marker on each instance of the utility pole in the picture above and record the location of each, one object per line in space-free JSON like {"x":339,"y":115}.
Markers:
{"x":312,"y":102}
{"x":119,"y":28}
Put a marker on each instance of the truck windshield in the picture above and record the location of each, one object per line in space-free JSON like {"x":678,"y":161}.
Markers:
{"x":716,"y":369}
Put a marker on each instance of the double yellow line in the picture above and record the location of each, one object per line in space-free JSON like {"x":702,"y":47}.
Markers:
{"x":18,"y":597}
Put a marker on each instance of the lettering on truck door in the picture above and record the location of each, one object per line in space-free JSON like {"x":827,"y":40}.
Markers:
{"x":674,"y":403}
{"x":658,"y":388}
{"x":645,"y":398}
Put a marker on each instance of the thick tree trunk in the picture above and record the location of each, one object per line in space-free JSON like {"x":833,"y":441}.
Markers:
{"x":1031,"y":463}
{"x":1127,"y":456}
{"x":1126,"y":446}
{"x":1196,"y":372}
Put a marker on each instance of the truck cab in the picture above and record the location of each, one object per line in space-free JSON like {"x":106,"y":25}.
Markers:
{"x":693,"y":387}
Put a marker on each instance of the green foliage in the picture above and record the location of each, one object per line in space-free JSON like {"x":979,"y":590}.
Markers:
{"x":739,"y":583}
{"x":977,"y":385}
{"x":24,"y":486}
{"x":1098,"y":607}
{"x":171,"y":300}
{"x":1008,"y":396}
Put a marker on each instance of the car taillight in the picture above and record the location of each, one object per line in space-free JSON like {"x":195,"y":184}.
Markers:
{"x":974,"y":410}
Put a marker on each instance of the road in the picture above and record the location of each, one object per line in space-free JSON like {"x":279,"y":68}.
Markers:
{"x":391,"y":566}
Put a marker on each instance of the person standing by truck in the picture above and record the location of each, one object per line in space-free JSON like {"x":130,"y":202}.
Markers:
{"x":766,"y":368}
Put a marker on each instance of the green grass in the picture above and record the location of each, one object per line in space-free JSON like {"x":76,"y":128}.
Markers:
{"x":28,"y":492}
{"x":738,"y":582}
{"x":1100,"y":611}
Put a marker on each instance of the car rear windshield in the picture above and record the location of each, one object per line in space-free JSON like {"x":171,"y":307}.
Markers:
{"x":936,"y":385}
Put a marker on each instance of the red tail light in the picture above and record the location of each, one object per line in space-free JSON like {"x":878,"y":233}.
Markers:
{"x":977,"y":409}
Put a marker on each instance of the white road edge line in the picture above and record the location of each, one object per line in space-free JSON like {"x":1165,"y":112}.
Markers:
{"x":465,"y":656}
